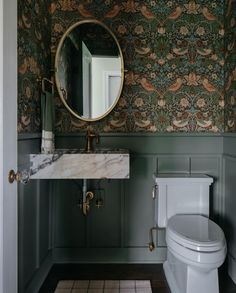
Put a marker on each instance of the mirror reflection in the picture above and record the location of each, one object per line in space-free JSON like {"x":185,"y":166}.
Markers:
{"x":89,"y":70}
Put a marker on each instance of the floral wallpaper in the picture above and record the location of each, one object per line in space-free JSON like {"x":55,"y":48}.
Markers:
{"x":230,"y":66}
{"x":174,"y":57}
{"x":174,"y":54}
{"x":34,"y":35}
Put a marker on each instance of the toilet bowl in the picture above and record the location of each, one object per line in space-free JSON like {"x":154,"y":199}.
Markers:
{"x":196,"y":246}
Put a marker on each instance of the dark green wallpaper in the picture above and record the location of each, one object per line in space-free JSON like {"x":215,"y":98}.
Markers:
{"x":174,"y":54}
{"x":34,"y":35}
{"x":230,"y":66}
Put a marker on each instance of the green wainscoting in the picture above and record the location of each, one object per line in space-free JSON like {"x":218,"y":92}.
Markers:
{"x":119,"y":231}
{"x":34,"y":216}
{"x":229,"y":195}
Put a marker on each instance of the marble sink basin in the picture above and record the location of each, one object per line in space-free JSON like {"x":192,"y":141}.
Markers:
{"x":78,"y":164}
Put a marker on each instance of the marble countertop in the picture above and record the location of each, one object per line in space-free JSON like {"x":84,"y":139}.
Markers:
{"x":78,"y":164}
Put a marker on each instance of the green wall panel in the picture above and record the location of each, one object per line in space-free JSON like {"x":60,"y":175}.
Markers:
{"x":139,"y":205}
{"x":119,"y":231}
{"x":69,"y":223}
{"x":104,"y":224}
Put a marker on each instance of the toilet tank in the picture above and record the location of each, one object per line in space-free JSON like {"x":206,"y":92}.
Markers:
{"x":180,"y":194}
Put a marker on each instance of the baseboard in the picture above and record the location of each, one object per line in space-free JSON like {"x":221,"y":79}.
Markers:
{"x":232,"y":268}
{"x":109,"y":255}
{"x":40,"y":275}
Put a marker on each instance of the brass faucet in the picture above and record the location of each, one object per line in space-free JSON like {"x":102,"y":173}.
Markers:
{"x":89,"y":140}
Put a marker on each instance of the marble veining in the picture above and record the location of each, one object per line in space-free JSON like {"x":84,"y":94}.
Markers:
{"x":77,"y":164}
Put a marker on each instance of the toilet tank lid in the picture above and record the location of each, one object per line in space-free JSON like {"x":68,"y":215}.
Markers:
{"x":182,"y":178}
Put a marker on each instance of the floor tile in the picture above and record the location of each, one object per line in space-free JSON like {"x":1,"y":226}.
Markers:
{"x":94,"y":284}
{"x":143,"y":290}
{"x":81,"y":284}
{"x":62,"y":291}
{"x":142,"y":284}
{"x":65,"y":284}
{"x":79,"y":291}
{"x":95,"y":290}
{"x":112,"y":284}
{"x":127,"y":284}
{"x":127,"y":290}
{"x":111,"y":290}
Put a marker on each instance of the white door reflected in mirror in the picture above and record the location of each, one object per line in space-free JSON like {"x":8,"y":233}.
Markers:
{"x":106,"y":84}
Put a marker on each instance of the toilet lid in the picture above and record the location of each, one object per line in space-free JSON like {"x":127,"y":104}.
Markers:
{"x":195,"y":232}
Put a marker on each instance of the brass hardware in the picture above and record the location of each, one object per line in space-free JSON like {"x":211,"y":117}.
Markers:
{"x":89,"y":140}
{"x":154,"y":191}
{"x":12,"y":176}
{"x":22,"y":177}
{"x":99,"y":203}
{"x":43,"y":81}
{"x":151,"y":244}
{"x":86,"y":206}
{"x":57,"y":58}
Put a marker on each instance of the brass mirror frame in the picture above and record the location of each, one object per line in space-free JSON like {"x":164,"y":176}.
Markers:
{"x":94,"y":21}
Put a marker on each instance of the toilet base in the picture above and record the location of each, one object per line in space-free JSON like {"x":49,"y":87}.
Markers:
{"x":183,"y":278}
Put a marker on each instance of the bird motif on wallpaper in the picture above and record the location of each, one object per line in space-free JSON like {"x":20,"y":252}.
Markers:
{"x":23,"y":67}
{"x":83,"y":11}
{"x":208,"y":86}
{"x":180,"y":51}
{"x":146,"y":12}
{"x":114,"y":12}
{"x":230,"y":46}
{"x":180,"y":123}
{"x":176,"y":86}
{"x":147,"y":85}
{"x":78,"y":123}
{"x":25,"y":120}
{"x":52,"y":8}
{"x":228,"y":84}
{"x":175,"y":14}
{"x":204,"y":52}
{"x":118,"y":123}
{"x":38,"y":35}
{"x":143,"y":123}
{"x":207,"y":14}
{"x":204,"y":123}
{"x":142,"y":51}
{"x":26,"y":21}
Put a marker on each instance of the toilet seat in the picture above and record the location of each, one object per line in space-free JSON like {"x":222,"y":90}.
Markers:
{"x":195,"y":232}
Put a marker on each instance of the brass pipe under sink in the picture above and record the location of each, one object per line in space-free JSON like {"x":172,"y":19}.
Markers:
{"x":88,"y":198}
{"x":151,"y":244}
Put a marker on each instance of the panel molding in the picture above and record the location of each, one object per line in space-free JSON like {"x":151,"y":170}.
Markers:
{"x":109,"y":255}
{"x":40,"y":275}
{"x":229,"y":190}
{"x":178,"y":153}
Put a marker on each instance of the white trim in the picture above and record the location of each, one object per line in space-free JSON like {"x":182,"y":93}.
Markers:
{"x":8,"y":148}
{"x":106,"y":76}
{"x":1,"y":145}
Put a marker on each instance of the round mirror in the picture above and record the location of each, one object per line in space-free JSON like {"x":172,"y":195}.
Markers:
{"x":89,"y":70}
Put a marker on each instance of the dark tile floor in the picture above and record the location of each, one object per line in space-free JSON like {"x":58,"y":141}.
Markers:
{"x":153,"y":272}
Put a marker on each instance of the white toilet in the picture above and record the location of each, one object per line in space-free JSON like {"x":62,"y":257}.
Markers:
{"x":196,"y":246}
